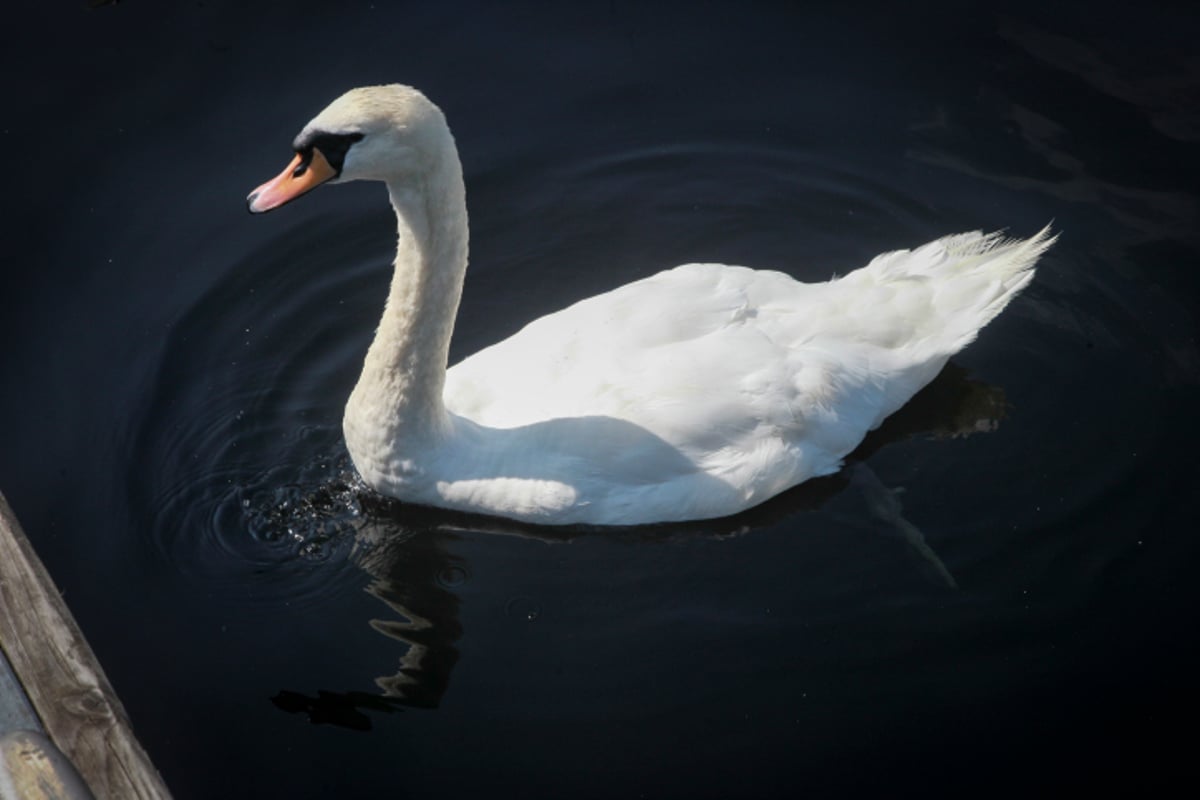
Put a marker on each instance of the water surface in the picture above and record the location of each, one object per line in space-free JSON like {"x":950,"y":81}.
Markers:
{"x":1019,"y":615}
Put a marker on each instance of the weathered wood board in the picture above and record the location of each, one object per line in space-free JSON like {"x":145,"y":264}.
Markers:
{"x":62,"y":679}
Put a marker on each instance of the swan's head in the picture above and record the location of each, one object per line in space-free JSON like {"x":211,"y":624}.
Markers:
{"x":374,"y":133}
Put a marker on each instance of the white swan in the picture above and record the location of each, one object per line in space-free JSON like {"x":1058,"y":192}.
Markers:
{"x":695,"y":393}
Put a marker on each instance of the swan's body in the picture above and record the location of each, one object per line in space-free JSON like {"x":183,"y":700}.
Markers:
{"x":695,"y":393}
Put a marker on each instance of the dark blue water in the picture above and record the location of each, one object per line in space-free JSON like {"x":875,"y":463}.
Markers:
{"x":1021,"y":617}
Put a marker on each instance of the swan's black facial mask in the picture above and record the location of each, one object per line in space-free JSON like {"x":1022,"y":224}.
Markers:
{"x":319,"y":157}
{"x":333,"y":146}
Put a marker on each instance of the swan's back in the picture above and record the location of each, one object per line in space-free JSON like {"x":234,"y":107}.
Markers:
{"x":757,"y":379}
{"x":709,"y":329}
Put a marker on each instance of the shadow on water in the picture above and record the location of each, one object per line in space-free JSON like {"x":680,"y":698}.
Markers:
{"x":406,"y":549}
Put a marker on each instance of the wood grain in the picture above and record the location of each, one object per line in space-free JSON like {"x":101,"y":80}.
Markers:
{"x":61,"y":676}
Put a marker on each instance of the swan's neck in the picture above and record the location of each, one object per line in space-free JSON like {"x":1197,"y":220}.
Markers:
{"x":397,"y":405}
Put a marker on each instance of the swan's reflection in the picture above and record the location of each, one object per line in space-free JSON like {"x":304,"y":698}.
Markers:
{"x":404,"y":549}
{"x":415,"y":577}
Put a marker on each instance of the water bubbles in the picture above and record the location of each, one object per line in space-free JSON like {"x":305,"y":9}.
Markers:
{"x":315,"y":550}
{"x":522,"y":608}
{"x":309,"y":519}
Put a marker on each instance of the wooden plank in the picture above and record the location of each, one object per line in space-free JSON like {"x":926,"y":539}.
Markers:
{"x":62,"y":678}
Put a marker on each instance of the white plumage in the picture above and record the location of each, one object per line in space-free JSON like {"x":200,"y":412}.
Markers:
{"x":695,"y":393}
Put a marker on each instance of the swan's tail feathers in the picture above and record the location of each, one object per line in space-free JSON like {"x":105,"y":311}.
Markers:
{"x":971,"y":277}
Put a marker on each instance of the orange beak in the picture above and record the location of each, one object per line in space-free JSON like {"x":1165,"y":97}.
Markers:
{"x":298,"y":178}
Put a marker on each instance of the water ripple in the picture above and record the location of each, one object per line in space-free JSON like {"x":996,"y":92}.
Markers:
{"x":238,"y":463}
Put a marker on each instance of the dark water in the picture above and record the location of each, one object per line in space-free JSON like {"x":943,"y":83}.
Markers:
{"x":174,"y":372}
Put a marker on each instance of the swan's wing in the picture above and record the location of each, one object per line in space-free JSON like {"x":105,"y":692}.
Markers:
{"x":672,"y":335}
{"x":721,"y":362}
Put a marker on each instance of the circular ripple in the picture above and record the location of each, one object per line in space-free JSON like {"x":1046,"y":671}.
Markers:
{"x":238,"y":470}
